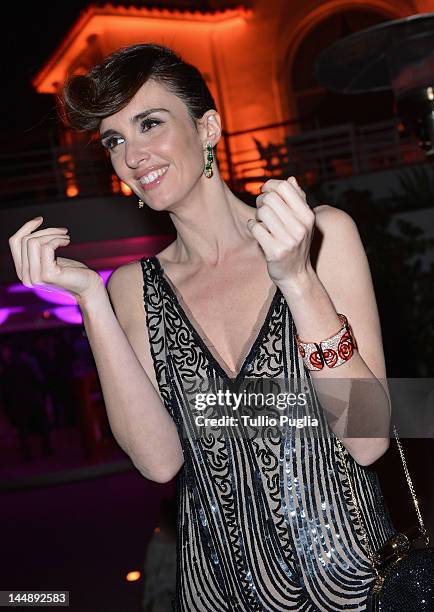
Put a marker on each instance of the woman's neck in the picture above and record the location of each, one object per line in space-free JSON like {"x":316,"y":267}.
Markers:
{"x":211,"y":225}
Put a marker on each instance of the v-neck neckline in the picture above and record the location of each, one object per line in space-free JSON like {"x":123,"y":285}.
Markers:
{"x":216,"y":359}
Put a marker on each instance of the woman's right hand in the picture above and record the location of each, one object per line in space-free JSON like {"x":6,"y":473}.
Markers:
{"x":33,"y":253}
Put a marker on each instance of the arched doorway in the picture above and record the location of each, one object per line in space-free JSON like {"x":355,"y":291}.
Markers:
{"x":318,"y":107}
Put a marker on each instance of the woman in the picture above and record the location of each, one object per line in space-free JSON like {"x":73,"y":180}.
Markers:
{"x":264,"y":523}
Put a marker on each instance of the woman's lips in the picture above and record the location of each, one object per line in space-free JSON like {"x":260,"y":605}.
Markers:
{"x":155,"y":179}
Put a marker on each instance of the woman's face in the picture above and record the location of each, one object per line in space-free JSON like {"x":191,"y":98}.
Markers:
{"x":154,"y":146}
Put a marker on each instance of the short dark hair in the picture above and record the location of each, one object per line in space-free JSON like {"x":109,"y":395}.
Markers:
{"x":108,"y":87}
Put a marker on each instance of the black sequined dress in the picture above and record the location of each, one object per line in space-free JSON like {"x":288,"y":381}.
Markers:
{"x":264,"y":524}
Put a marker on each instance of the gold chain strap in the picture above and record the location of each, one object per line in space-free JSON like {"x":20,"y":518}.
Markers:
{"x":356,"y":507}
{"x":411,"y":487}
{"x":371,"y":555}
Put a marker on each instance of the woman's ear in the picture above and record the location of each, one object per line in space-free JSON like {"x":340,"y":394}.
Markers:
{"x":210,"y":127}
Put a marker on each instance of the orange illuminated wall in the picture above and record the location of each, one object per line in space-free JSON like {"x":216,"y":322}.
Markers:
{"x":197,"y":36}
{"x":245,"y":55}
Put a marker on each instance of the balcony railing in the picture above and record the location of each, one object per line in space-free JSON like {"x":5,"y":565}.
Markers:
{"x":56,"y":173}
{"x":324,"y":154}
{"x":315,"y":156}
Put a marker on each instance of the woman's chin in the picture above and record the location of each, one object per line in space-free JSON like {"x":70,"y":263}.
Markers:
{"x":158,"y":203}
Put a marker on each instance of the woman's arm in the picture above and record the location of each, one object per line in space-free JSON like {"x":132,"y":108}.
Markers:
{"x":355,"y":394}
{"x":120,"y":345}
{"x":136,"y":413}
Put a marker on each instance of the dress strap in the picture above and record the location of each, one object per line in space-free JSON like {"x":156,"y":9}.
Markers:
{"x":155,"y":321}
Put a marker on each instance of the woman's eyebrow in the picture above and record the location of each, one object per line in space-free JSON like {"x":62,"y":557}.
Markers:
{"x":135,"y":119}
{"x":145,"y":113}
{"x":107,"y":133}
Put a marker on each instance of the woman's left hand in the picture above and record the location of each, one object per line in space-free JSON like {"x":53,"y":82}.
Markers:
{"x":284,"y":228}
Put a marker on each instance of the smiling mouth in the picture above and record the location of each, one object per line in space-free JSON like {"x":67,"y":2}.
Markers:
{"x":153,"y":176}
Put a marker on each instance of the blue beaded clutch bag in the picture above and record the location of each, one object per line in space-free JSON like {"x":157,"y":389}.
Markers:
{"x":403,"y":574}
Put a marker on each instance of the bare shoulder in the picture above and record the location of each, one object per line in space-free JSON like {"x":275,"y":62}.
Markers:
{"x":336,"y":239}
{"x":125,"y":287}
{"x":125,"y":275}
{"x":329,"y":218}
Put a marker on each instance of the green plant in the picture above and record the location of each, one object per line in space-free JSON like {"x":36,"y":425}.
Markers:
{"x":416,"y":189}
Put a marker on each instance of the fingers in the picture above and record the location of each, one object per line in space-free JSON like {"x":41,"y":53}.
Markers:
{"x":18,"y":244}
{"x":30,"y":251}
{"x":284,"y":220}
{"x":49,"y":266}
{"x":262,"y":235}
{"x":40,"y":269}
{"x":279,"y":218}
{"x":15,"y":241}
{"x":291,"y":195}
{"x":278,"y":209}
{"x":273,"y":221}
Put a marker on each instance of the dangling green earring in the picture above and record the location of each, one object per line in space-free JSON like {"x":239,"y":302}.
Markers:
{"x":209,"y":159}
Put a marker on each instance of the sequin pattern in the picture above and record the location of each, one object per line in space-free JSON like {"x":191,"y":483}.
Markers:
{"x":265,"y":524}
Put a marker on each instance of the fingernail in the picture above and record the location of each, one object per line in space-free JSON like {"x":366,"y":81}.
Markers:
{"x":37,"y":218}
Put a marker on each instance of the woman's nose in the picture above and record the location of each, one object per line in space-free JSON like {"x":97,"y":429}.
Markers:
{"x":134,"y":155}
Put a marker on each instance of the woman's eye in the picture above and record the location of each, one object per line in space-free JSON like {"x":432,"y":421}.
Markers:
{"x":111,"y":143}
{"x":146,"y":124}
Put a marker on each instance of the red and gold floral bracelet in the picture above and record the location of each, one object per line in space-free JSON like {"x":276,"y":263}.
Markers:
{"x":331,"y":352}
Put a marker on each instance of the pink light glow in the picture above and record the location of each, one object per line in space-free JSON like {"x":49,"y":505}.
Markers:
{"x":5,"y":312}
{"x":105,"y":274}
{"x":54,"y":296}
{"x":68,"y":314}
{"x":18,"y":288}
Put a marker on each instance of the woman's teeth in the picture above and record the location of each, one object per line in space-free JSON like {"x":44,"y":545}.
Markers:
{"x":152,"y":176}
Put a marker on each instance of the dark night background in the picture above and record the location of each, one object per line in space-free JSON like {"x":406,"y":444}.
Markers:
{"x":78,"y":536}
{"x":31,"y":31}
